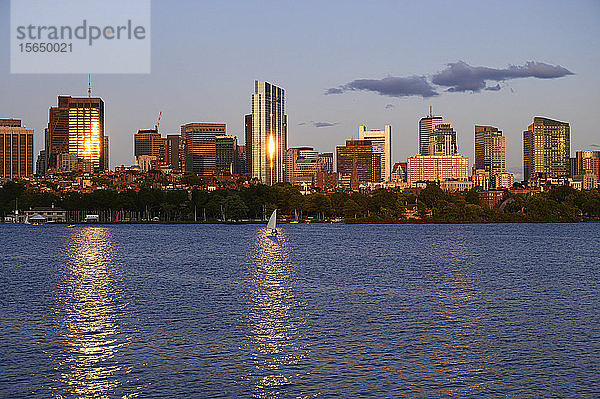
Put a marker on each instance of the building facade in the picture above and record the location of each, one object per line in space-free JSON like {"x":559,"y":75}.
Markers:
{"x":442,"y":140}
{"x":490,"y":149}
{"x":226,"y":154}
{"x":382,"y":144}
{"x":149,"y":142}
{"x":357,"y":163}
{"x":175,"y":152}
{"x":200,"y":142}
{"x":248,"y":143}
{"x":269,"y":133}
{"x":76,"y":126}
{"x":16,"y":150}
{"x":436,"y":168}
{"x":547,"y":149}
{"x":303,"y":164}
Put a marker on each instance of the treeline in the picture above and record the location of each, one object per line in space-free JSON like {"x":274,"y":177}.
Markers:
{"x":561,"y":204}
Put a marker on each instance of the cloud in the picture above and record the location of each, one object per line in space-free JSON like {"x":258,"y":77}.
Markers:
{"x":319,"y":124}
{"x":494,"y":88}
{"x":389,"y":106}
{"x":595,"y":145}
{"x":390,"y":86}
{"x":462,"y":77}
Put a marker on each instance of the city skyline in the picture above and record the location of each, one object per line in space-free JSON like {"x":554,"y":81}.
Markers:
{"x":324,"y":121}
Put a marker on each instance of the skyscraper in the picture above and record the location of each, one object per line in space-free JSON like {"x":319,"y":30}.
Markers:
{"x":547,"y":149}
{"x":175,"y":152}
{"x":442,"y":140}
{"x":382,"y":144}
{"x":149,"y":142}
{"x":269,"y":133}
{"x":490,"y":150}
{"x":426,"y":127}
{"x":303,"y":163}
{"x":248,"y":144}
{"x":200,"y":141}
{"x":105,"y":153}
{"x":76,"y":126}
{"x":225,"y":154}
{"x":16,"y":150}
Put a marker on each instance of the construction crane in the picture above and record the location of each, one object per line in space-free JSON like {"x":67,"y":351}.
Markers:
{"x":158,"y":121}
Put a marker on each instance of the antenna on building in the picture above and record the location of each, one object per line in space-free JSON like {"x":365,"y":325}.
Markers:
{"x":89,"y":84}
{"x":430,"y":111}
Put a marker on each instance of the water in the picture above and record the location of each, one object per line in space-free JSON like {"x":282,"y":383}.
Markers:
{"x":416,"y":311}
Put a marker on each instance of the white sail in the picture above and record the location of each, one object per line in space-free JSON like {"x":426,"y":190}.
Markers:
{"x":272,"y":221}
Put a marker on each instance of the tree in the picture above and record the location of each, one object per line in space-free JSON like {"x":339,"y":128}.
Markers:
{"x":432,"y":195}
{"x":351,"y":209}
{"x":472,"y":197}
{"x":235,"y":208}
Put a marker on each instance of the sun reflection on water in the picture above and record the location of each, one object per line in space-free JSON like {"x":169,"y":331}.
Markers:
{"x":275,"y":323}
{"x":88,"y":312}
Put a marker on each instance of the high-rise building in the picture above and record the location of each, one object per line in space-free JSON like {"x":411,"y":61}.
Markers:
{"x":105,"y":153}
{"x":241,"y":160}
{"x":547,"y":149}
{"x":200,"y":141}
{"x":248,"y":143}
{"x":442,"y":140}
{"x":149,"y":142}
{"x":175,"y":152}
{"x":269,"y":133}
{"x":426,"y":128}
{"x":490,"y":150}
{"x":326,"y":159}
{"x":41,"y":164}
{"x":76,"y":126}
{"x":358,"y":163}
{"x":437,"y":168}
{"x":382,"y":144}
{"x":16,"y":150}
{"x":587,"y":162}
{"x":225,"y":154}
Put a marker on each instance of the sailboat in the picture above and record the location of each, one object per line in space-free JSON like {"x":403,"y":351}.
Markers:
{"x":272,"y":225}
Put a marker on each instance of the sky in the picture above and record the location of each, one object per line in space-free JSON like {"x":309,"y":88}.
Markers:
{"x":345,"y":64}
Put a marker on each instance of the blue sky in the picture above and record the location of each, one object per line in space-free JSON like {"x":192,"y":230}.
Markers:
{"x":205,"y":56}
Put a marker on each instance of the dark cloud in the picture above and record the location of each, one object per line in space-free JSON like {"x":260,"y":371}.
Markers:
{"x":595,"y":145}
{"x":319,"y":124}
{"x":389,"y":106}
{"x":390,"y":86}
{"x":461,"y":77}
{"x":324,"y":124}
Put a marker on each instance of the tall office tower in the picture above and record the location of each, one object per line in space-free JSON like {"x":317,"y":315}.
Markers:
{"x":40,"y":164}
{"x":226,"y":154}
{"x":200,"y":141}
{"x":269,"y":133}
{"x":546,"y":149}
{"x":490,"y":148}
{"x":175,"y":152}
{"x":382,"y":144}
{"x":149,"y":142}
{"x":426,"y":127}
{"x":326,"y":159}
{"x":76,"y":126}
{"x":442,"y":140}
{"x":248,"y":143}
{"x":105,"y":153}
{"x":16,"y":150}
{"x":241,"y":160}
{"x":357,"y":161}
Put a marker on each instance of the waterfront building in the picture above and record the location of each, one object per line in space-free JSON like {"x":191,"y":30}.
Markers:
{"x":226,"y":154}
{"x":49,"y":214}
{"x":437,"y":168}
{"x":426,"y":128}
{"x":76,"y":126}
{"x":200,"y":144}
{"x":490,"y":148}
{"x":358,"y":163}
{"x":547,"y":150}
{"x":269,"y":133}
{"x":16,"y":150}
{"x":382,"y":144}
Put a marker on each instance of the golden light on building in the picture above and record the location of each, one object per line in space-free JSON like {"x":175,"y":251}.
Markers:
{"x":271,"y":149}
